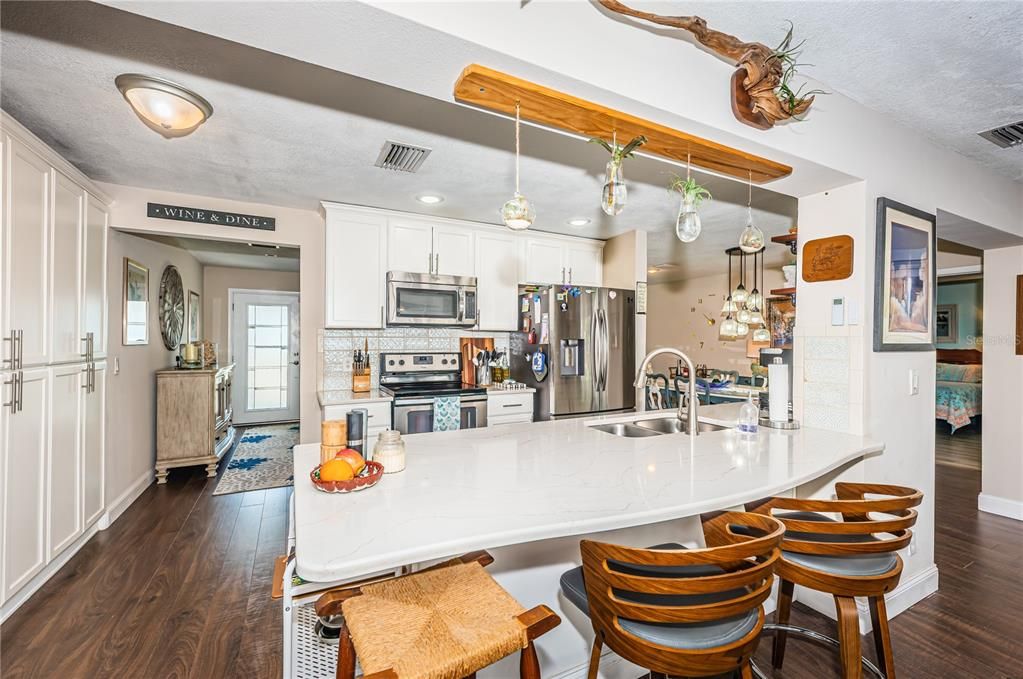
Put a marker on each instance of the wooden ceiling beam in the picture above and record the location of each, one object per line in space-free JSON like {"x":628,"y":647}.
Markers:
{"x":497,"y":91}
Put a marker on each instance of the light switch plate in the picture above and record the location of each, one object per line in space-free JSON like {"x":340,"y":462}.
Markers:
{"x":914,"y":382}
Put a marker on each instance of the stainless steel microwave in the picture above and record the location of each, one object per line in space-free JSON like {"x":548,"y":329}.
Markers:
{"x":427,"y":299}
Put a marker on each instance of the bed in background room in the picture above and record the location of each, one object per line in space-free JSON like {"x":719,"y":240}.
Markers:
{"x":957,"y":398}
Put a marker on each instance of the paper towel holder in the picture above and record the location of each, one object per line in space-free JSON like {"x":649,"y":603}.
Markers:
{"x":768,"y":422}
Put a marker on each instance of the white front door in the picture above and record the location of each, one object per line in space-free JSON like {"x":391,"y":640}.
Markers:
{"x":265,"y":351}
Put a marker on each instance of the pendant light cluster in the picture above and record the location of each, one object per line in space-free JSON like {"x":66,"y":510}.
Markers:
{"x":743,"y":309}
{"x":518,"y":213}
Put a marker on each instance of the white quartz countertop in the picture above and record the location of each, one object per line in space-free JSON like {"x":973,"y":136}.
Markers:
{"x":342,"y":397}
{"x":491,"y":487}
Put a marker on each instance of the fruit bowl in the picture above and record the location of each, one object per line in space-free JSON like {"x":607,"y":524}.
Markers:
{"x":368,"y":477}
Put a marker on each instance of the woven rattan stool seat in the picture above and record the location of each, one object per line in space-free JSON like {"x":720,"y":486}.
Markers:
{"x":439,"y":624}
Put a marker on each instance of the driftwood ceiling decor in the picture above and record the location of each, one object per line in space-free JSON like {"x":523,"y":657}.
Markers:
{"x":761,"y":95}
{"x":497,"y":91}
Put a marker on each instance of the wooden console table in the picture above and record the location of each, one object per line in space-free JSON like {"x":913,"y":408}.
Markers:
{"x":193,"y":418}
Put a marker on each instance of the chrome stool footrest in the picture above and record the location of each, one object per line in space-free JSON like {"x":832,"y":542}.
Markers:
{"x":812,"y":636}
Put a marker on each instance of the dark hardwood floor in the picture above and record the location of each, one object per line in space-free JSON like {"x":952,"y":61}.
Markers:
{"x":180,"y":587}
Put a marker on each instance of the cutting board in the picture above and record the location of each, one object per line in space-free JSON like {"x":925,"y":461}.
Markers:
{"x":468,"y":347}
{"x":827,"y":259}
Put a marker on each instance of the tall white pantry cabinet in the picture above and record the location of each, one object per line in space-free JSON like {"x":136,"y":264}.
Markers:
{"x":53,"y":325}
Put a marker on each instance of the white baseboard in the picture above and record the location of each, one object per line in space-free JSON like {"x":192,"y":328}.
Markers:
{"x":48,"y":571}
{"x":992,"y":504}
{"x":909,"y":592}
{"x":125,"y":500}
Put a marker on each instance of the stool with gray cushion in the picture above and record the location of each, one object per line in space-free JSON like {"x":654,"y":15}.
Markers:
{"x":847,"y":559}
{"x":677,"y":611}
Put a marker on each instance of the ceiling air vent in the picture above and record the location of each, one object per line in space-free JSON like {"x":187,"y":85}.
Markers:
{"x":401,"y":157}
{"x":1006,"y":135}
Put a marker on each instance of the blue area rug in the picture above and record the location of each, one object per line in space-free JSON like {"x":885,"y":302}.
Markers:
{"x":262,"y":459}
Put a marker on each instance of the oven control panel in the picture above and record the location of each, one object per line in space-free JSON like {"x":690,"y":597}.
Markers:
{"x":421,"y":362}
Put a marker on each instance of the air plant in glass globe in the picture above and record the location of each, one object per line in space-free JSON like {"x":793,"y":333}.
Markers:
{"x":517,"y":213}
{"x":687,"y":224}
{"x":615,"y":193}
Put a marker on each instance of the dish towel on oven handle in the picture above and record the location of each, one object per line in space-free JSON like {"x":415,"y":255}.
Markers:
{"x":447,"y":413}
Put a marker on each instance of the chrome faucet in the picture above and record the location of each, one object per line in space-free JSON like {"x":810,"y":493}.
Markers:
{"x":688,"y":415}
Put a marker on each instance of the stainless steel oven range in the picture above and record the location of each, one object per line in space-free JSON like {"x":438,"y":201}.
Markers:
{"x":415,"y":381}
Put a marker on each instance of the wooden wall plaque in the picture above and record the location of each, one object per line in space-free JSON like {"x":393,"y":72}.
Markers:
{"x":828,"y":259}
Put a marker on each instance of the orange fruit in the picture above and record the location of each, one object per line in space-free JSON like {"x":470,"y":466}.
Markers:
{"x":353,"y":458}
{"x":337,"y":469}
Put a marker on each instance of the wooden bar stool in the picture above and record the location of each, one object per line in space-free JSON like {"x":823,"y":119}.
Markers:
{"x":846,"y":559}
{"x":444,"y":622}
{"x":678,"y":611}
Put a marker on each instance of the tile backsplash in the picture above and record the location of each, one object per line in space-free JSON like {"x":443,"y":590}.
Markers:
{"x":335,"y":348}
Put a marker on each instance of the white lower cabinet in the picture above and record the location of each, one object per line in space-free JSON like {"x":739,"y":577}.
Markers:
{"x":378,"y":415}
{"x":509,"y":408}
{"x":23,"y":455}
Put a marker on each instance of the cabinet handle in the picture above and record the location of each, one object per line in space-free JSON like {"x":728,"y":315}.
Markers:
{"x":381,"y":316}
{"x":563,"y":274}
{"x":436,"y":263}
{"x":21,"y":391}
{"x":512,"y":405}
{"x":21,"y":356}
{"x":86,"y":355}
{"x":570,"y":275}
{"x":429,"y":262}
{"x":13,"y":403}
{"x":13,"y":360}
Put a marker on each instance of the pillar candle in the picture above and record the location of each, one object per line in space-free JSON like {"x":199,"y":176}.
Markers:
{"x":333,"y":433}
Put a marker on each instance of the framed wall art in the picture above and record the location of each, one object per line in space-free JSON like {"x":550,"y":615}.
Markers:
{"x":905,"y":278}
{"x":194,"y":314}
{"x":946,"y":324}
{"x":135,"y":304}
{"x":781,"y":321}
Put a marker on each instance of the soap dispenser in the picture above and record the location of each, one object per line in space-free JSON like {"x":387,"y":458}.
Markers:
{"x":749,"y":416}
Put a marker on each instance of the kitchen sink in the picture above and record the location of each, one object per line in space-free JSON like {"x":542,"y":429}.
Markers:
{"x":625,"y":429}
{"x":672,"y":425}
{"x":653,"y":427}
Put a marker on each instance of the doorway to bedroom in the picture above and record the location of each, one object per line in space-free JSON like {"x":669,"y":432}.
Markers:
{"x":958,"y":399}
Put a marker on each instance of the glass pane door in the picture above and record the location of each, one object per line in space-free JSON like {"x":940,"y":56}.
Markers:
{"x":267,"y":383}
{"x":264,"y":348}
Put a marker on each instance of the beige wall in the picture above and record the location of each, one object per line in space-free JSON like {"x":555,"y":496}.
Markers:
{"x":675,"y":318}
{"x":217,"y":280}
{"x":131,"y":392}
{"x":1002,"y":464}
{"x":295,"y":228}
{"x":625,"y":266}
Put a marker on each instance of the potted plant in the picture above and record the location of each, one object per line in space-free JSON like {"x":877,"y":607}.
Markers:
{"x":615,"y":193}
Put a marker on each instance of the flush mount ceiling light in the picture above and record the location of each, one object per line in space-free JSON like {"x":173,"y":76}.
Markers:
{"x":578,"y":221}
{"x":429,"y":198}
{"x":164,"y":106}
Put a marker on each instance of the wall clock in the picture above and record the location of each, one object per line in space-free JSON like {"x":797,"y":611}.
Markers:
{"x":172,"y":307}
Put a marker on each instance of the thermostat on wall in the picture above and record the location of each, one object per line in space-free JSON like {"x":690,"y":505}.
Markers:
{"x":838,"y":311}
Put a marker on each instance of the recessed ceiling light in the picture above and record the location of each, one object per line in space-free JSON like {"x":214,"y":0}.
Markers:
{"x":578,"y":221}
{"x":429,"y":198}
{"x":164,"y":106}
{"x":652,"y":269}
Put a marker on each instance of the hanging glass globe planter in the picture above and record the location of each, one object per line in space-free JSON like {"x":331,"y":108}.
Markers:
{"x":687,"y":224}
{"x":751,"y":239}
{"x":517,"y":213}
{"x":615,"y":193}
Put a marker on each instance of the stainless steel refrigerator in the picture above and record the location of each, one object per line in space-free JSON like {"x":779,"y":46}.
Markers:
{"x":587,"y":337}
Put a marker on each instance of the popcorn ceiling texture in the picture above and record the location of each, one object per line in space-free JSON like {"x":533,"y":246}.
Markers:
{"x":336,"y":347}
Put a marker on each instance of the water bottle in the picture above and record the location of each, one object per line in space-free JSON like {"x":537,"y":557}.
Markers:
{"x":749,"y":417}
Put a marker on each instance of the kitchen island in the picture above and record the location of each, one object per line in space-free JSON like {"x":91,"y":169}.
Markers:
{"x":528,"y":493}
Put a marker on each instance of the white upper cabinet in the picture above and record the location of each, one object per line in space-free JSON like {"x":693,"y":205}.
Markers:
{"x":26,"y":256}
{"x":356,"y":263}
{"x":584,"y":264}
{"x":454,"y":251}
{"x":497,"y":280}
{"x":542,"y":261}
{"x":363,"y":244}
{"x":66,"y":339}
{"x":418,"y":246}
{"x":94,"y":260}
{"x":411,"y":245}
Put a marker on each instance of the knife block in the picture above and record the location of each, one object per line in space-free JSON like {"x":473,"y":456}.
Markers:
{"x":361,"y":381}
